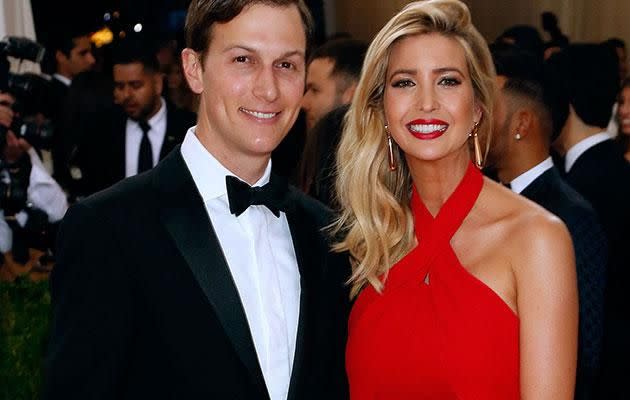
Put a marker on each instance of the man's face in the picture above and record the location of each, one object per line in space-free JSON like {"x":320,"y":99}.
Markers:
{"x":252,"y":82}
{"x":322,"y":94}
{"x":137,"y":90}
{"x":81,"y":58}
{"x":502,"y":127}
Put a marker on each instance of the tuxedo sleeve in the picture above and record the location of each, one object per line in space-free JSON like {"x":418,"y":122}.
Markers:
{"x":92,"y":310}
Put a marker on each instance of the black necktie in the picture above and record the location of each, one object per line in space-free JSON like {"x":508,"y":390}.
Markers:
{"x":145,"y":155}
{"x":241,"y":195}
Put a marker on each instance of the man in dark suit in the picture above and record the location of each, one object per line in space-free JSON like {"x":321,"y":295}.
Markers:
{"x":187,"y":283}
{"x":520,"y":155}
{"x":142,"y":131}
{"x":72,"y":52}
{"x":584,"y":83}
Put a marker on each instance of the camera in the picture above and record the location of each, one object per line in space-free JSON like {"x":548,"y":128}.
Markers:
{"x":28,"y":89}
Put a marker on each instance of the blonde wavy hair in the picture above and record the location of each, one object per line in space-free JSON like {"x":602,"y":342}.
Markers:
{"x":376,"y":221}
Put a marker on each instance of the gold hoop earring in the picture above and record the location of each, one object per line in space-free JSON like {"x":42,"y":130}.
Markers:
{"x":390,"y":151}
{"x":477,"y":145}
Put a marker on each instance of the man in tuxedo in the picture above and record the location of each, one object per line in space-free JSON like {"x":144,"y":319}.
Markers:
{"x":72,"y":52}
{"x":520,"y":155}
{"x":143,"y":129}
{"x":583,"y":82}
{"x":188,"y":283}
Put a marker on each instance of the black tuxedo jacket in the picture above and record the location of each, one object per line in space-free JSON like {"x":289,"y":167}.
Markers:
{"x":591,"y":258}
{"x":101,"y":155}
{"x":602,"y":176}
{"x":144,"y":305}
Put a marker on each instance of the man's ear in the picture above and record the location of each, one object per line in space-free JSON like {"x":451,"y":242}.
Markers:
{"x":346,"y":96}
{"x":523,"y":122}
{"x":60,"y":57}
{"x":158,"y":81}
{"x":193,"y":70}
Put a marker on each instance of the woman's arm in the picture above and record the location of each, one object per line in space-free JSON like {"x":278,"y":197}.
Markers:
{"x":546,"y":285}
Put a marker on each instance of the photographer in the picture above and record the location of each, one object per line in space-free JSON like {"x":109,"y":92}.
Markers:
{"x":30,"y":199}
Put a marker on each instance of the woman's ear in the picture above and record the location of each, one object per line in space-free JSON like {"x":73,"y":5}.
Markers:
{"x":193,"y":70}
{"x":478,"y":113}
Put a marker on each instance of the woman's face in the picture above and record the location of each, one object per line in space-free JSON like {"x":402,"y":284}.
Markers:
{"x":623,"y":111}
{"x":429,"y":100}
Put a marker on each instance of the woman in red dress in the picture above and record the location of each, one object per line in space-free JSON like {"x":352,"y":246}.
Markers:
{"x":463,"y":289}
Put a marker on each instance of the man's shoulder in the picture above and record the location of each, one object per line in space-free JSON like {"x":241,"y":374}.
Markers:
{"x":134,"y":190}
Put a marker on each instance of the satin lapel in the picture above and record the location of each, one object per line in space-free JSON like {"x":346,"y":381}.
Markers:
{"x":304,"y":242}
{"x":184,"y":216}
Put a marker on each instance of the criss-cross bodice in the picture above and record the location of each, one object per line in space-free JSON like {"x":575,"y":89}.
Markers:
{"x":436,"y":331}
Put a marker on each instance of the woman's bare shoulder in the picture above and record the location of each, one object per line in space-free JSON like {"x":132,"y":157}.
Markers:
{"x":529,"y":230}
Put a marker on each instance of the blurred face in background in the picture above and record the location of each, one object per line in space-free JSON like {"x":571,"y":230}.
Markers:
{"x":623,"y":111}
{"x":137,"y":90}
{"x":322,"y":94}
{"x":80,"y":59}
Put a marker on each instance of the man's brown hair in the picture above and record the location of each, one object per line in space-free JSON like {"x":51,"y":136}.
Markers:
{"x":203,"y":14}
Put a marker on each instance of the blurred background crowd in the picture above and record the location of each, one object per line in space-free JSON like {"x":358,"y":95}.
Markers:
{"x":107,"y":99}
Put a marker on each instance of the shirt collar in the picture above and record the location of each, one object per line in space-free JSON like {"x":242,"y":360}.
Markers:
{"x":207,"y":172}
{"x":66,"y":81}
{"x":580,"y":147}
{"x":519,"y":183}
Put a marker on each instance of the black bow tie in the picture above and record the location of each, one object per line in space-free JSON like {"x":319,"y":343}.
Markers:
{"x":241,"y":195}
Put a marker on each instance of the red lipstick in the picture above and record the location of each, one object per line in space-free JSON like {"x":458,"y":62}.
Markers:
{"x":427,"y":129}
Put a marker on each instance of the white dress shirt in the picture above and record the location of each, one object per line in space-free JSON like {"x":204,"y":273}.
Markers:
{"x":133,"y":137}
{"x":43,"y":193}
{"x":519,"y":183}
{"x":580,"y":147}
{"x":66,"y":81}
{"x":259,"y":252}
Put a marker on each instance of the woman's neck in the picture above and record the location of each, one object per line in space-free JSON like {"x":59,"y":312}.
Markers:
{"x":436,"y":180}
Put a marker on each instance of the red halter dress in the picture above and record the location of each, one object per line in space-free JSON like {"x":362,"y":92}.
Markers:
{"x":436,"y":332}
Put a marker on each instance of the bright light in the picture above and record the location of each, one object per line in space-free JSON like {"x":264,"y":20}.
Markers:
{"x":137,"y":28}
{"x":107,"y":17}
{"x":102,"y":37}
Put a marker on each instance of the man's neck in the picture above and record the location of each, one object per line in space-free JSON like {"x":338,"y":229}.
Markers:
{"x":522,"y":157}
{"x":65,"y":79}
{"x":574,"y":132}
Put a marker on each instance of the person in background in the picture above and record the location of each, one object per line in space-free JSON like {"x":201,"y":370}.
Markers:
{"x":31,"y":201}
{"x":142,"y":130}
{"x":583,"y":82}
{"x":620,"y":49}
{"x":557,"y":40}
{"x":463,"y":288}
{"x":72,"y":52}
{"x":521,"y":155}
{"x":332,"y":75}
{"x":623,"y":119}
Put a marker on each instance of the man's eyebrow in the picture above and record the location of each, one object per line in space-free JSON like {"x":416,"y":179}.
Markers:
{"x":289,"y":53}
